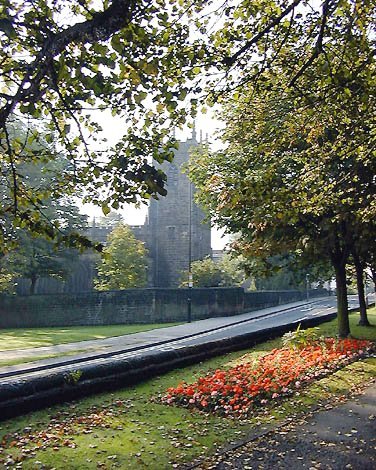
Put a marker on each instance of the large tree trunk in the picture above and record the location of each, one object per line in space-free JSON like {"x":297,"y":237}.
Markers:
{"x":359,"y":268}
{"x":373,"y":274}
{"x":342,"y":305}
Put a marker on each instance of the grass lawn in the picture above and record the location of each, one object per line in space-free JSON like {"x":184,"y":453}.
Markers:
{"x":23,"y":338}
{"x":126,"y":429}
{"x":23,"y":359}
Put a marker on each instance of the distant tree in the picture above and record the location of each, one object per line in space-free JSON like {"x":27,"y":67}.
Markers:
{"x":45,"y":179}
{"x":124,"y":263}
{"x":208,"y":273}
{"x":233,"y":272}
{"x":286,"y":272}
{"x":37,"y":257}
{"x":111,"y":220}
{"x":26,"y":253}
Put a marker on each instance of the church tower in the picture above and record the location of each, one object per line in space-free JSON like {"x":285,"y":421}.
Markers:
{"x":171,"y":218}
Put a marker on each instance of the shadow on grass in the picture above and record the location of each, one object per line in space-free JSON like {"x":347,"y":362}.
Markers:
{"x":38,"y":337}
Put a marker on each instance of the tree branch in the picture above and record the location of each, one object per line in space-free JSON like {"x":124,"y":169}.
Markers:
{"x":319,"y":44}
{"x":229,"y":61}
{"x":99,"y":28}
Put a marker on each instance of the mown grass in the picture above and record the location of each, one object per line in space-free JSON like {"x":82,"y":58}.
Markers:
{"x":135,"y":432}
{"x":25,"y":360}
{"x":24,"y":338}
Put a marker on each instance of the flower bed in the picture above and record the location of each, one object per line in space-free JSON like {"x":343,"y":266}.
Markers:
{"x":239,"y":389}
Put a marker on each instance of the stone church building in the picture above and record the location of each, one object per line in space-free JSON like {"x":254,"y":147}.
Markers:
{"x":175,"y":227}
{"x":174,"y":232}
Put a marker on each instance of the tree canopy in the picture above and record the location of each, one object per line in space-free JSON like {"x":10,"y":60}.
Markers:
{"x":62,"y":64}
{"x":297,"y":173}
{"x":147,"y":62}
{"x":227,"y":272}
{"x":33,"y":257}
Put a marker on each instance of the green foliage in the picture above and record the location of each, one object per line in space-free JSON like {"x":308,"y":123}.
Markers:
{"x":124,"y":263}
{"x":136,"y":60}
{"x":72,"y":378}
{"x":208,"y":273}
{"x":111,"y":220}
{"x":144,"y":63}
{"x":46,"y":179}
{"x":300,"y":338}
{"x":38,"y":257}
{"x":6,"y":279}
{"x":288,"y":272}
{"x":32,"y":256}
{"x":205,"y":273}
{"x":296,"y":173}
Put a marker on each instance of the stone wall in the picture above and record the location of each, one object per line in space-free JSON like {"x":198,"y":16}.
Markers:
{"x":133,"y":306}
{"x":263,"y":299}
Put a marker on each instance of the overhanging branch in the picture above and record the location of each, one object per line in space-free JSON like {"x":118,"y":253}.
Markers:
{"x":318,"y":47}
{"x":229,"y":61}
{"x":104,"y":24}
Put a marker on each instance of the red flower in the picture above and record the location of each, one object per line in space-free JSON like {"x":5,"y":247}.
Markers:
{"x":234,"y":390}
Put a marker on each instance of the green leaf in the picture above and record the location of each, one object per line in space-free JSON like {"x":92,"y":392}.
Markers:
{"x":105,"y":209}
{"x":6,"y":26}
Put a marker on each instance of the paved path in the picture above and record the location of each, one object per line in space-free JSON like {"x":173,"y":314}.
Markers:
{"x":157,"y":335}
{"x":343,"y":437}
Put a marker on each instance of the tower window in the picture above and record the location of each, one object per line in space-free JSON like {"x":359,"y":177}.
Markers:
{"x":171,"y":232}
{"x":172,"y":176}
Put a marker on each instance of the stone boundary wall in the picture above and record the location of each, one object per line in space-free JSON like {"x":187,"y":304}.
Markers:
{"x":135,"y":306}
{"x":263,"y":299}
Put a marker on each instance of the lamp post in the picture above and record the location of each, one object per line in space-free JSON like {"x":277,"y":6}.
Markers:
{"x":307,"y":286}
{"x":190,"y":277}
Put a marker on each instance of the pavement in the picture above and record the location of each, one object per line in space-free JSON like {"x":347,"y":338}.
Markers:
{"x":335,"y":438}
{"x":197,"y":332}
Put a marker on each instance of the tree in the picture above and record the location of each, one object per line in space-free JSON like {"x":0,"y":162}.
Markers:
{"x":297,"y":173}
{"x":111,"y":220}
{"x":363,"y":253}
{"x":124,"y":262}
{"x":6,"y":278}
{"x":37,"y":257}
{"x":45,"y":182}
{"x":208,"y":273}
{"x":29,"y":255}
{"x":287,"y":272}
{"x":131,"y":57}
{"x":136,"y":59}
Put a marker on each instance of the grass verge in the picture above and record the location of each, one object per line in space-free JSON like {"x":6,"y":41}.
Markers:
{"x":25,"y":360}
{"x":23,"y":338}
{"x":127,"y":430}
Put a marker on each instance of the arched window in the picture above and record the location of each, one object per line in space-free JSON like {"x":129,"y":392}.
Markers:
{"x":172,"y":175}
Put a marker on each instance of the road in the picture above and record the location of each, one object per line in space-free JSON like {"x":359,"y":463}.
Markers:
{"x":165,"y":339}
